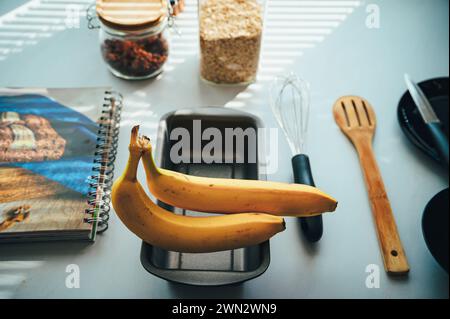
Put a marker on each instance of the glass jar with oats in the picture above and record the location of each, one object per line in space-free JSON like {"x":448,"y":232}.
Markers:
{"x":230,"y":40}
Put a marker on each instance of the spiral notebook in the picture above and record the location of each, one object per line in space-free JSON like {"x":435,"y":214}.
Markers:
{"x":57,"y":152}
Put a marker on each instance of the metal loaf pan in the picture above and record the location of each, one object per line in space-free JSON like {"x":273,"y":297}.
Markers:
{"x":211,"y":269}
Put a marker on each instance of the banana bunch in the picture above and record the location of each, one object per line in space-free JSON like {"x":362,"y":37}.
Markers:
{"x":234,"y":198}
{"x":169,"y":231}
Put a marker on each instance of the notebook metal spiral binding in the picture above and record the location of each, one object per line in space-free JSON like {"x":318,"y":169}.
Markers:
{"x":99,"y":195}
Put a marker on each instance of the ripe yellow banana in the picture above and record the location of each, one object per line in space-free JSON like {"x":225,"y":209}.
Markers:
{"x":169,"y":231}
{"x":221,"y":195}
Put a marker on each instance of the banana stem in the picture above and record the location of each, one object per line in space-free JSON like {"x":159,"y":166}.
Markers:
{"x":131,"y":169}
{"x":148,"y":160}
{"x":134,"y":157}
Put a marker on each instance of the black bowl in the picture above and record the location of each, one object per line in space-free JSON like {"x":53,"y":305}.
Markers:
{"x":435,"y":225}
{"x":411,"y":121}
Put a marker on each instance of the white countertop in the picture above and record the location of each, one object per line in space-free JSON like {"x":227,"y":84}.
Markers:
{"x":328,"y":44}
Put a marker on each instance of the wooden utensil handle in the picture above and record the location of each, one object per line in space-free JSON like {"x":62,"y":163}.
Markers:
{"x":394,"y":257}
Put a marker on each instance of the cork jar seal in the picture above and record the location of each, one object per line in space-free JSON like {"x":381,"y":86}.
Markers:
{"x":131,"y":14}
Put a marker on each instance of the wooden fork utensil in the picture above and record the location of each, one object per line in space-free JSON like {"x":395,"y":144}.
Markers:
{"x":356,"y":118}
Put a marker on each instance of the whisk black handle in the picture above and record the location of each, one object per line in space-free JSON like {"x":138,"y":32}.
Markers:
{"x":312,"y":226}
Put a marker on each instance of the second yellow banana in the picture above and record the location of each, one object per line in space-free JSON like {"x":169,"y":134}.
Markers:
{"x":220,"y":195}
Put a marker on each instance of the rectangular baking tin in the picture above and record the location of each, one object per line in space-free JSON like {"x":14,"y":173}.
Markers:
{"x":211,"y":269}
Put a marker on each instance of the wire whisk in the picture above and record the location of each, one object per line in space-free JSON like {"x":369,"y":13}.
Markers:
{"x":290,"y":102}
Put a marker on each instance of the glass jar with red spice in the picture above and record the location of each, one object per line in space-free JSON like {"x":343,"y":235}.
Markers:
{"x":133,"y":37}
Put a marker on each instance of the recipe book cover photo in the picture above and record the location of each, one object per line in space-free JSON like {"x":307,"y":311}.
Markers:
{"x":48,"y":140}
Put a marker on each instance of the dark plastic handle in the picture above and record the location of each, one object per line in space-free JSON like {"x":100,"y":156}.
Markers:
{"x":312,"y":226}
{"x":440,"y":141}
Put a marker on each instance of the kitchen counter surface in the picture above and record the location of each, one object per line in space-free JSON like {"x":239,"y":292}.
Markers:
{"x":333,"y":45}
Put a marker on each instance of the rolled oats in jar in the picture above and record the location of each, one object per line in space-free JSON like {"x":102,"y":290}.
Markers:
{"x":230,"y":40}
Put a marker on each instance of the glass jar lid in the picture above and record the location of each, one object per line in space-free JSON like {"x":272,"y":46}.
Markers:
{"x":131,"y":14}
